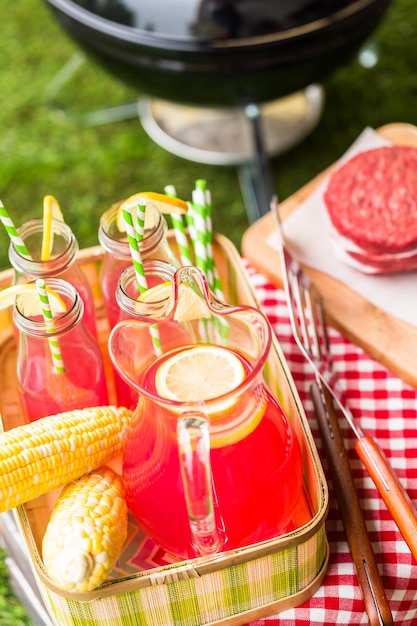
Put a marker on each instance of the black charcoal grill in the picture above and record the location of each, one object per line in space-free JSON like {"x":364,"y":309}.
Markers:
{"x":228,"y":54}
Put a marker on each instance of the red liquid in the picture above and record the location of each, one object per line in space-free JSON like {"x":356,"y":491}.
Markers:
{"x":43,"y":392}
{"x":126,"y":395}
{"x":89,"y":315}
{"x":257,"y":480}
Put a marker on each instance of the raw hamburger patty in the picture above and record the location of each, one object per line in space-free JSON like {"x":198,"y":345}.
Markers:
{"x":372,"y":199}
{"x":382,"y":263}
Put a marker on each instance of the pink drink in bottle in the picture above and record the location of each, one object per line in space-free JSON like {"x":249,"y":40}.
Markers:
{"x":73,"y":379}
{"x":117,"y":257}
{"x":62,"y":263}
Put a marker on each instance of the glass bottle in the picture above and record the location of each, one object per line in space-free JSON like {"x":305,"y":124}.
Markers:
{"x":62,"y":264}
{"x":117,"y":257}
{"x":126,"y":298}
{"x":59,"y":363}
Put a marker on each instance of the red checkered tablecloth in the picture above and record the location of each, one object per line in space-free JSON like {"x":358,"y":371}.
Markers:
{"x":386,"y":409}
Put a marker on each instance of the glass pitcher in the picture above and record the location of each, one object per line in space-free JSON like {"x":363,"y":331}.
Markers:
{"x":211,"y":462}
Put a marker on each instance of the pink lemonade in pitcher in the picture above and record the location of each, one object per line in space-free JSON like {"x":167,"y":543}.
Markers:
{"x":256,"y":461}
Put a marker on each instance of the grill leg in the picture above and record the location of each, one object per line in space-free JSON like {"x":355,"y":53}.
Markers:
{"x":255,"y":175}
{"x":91,"y":118}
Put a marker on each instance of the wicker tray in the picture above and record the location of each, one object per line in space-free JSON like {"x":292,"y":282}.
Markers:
{"x":146,"y":589}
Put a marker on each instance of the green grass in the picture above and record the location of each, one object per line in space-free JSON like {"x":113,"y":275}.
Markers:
{"x":43,"y":151}
{"x":87,"y":168}
{"x":11,"y":611}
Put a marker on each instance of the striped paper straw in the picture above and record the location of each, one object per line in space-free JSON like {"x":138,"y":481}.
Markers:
{"x":170,"y":190}
{"x":134,"y":249}
{"x":139,"y":271}
{"x":189,"y":219}
{"x":212,"y":274}
{"x":202,"y":207}
{"x":202,"y":196}
{"x":11,"y":230}
{"x":209,"y":225}
{"x":217,"y":286}
{"x":181,"y":239}
{"x":201,"y":184}
{"x":199,"y":230}
{"x":140,"y":219}
{"x":179,"y":232}
{"x":57,"y":361}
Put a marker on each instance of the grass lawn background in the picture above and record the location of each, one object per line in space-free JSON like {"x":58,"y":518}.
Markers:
{"x":87,"y":168}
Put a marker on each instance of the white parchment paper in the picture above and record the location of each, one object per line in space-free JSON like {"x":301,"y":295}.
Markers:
{"x":307,"y":232}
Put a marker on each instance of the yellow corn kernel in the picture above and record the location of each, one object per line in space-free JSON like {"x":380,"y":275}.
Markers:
{"x":72,"y":562}
{"x":39,"y":457}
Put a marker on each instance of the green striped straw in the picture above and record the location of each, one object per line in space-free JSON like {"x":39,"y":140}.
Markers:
{"x":201,"y":184}
{"x":131,"y":234}
{"x":134,"y":249}
{"x":189,"y":219}
{"x":213,"y":276}
{"x":202,"y":220}
{"x":199,"y":233}
{"x":201,"y":203}
{"x":140,"y":219}
{"x":179,"y":232}
{"x":206,"y":201}
{"x":57,"y":360}
{"x":11,"y":230}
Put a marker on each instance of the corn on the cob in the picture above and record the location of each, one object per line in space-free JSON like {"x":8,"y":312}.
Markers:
{"x":86,"y":532}
{"x":39,"y":457}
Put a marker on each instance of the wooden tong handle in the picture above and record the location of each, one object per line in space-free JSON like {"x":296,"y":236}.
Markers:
{"x":394,"y":495}
{"x":375,"y":600}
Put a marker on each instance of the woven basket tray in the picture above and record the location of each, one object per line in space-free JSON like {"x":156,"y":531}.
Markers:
{"x":146,"y":589}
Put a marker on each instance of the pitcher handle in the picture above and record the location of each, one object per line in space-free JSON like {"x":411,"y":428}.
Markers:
{"x":194,"y":454}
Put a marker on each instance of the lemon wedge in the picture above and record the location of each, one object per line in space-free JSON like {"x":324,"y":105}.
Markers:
{"x":52,"y":205}
{"x":29,"y":304}
{"x":199,"y":373}
{"x":51,"y":211}
{"x":165,"y":204}
{"x":190,"y":306}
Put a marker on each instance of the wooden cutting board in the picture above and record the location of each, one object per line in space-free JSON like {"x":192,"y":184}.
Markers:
{"x":386,"y":338}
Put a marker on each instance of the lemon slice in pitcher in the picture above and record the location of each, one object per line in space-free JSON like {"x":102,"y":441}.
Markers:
{"x":165,"y":204}
{"x":190,"y":306}
{"x":202,"y":373}
{"x":30,"y":305}
{"x":199,"y":373}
